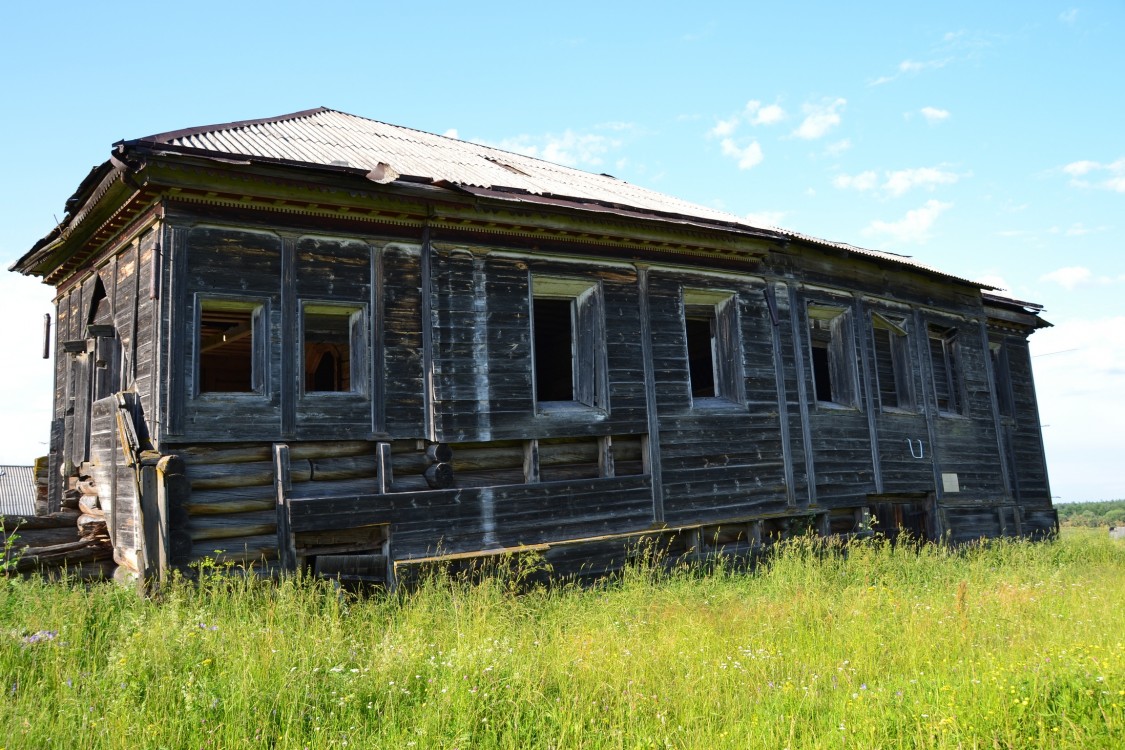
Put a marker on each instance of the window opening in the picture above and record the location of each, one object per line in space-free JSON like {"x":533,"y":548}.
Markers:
{"x":713,"y":351}
{"x":328,"y":355}
{"x":226,"y":346}
{"x":944,"y":356}
{"x":568,"y":335}
{"x":892,"y":362}
{"x":699,"y":325}
{"x":554,"y":349}
{"x":832,"y":362}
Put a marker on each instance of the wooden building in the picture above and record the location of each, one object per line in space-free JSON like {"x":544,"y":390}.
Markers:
{"x":319,"y":339}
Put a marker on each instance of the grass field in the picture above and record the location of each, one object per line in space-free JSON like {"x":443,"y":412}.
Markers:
{"x":1011,"y":645}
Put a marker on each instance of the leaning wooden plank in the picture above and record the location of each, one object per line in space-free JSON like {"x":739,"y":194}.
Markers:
{"x":40,"y":537}
{"x":57,"y":520}
{"x":284,"y":542}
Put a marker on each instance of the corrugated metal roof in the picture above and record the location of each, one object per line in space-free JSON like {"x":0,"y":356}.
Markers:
{"x":17,"y":490}
{"x":330,"y":138}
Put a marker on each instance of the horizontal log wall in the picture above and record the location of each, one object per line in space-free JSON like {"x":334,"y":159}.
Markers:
{"x":231,"y":506}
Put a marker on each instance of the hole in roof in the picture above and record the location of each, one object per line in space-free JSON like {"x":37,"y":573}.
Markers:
{"x":506,"y":166}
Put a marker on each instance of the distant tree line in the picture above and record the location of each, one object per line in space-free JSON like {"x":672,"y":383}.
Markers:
{"x":1104,"y":513}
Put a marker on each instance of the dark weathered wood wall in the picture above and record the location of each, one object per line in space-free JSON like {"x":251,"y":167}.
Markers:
{"x":448,"y":356}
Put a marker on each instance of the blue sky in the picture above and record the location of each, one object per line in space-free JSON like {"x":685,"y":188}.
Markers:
{"x":985,"y":139}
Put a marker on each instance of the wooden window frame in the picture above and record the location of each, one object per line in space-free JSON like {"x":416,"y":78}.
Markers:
{"x":720,"y":308}
{"x":843,"y":377}
{"x":589,"y":376}
{"x":259,"y":309}
{"x":356,"y":314}
{"x":948,"y":375}
{"x":898,"y":348}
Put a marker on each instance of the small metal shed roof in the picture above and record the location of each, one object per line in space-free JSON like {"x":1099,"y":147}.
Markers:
{"x":17,"y":490}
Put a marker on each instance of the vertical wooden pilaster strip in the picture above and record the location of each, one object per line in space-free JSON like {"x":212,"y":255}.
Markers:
{"x":162,"y":540}
{"x":378,"y":346}
{"x":386,"y":471}
{"x":605,"y":457}
{"x":652,"y":440}
{"x":994,"y":402}
{"x":290,"y":377}
{"x":428,"y":336}
{"x":795,"y":323}
{"x":148,"y":523}
{"x":863,"y":332}
{"x":782,"y":397}
{"x":286,"y":546}
{"x":184,"y":319}
{"x":531,"y":461}
{"x":929,"y":401}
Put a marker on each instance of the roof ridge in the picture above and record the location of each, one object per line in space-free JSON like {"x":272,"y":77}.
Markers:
{"x":172,"y":135}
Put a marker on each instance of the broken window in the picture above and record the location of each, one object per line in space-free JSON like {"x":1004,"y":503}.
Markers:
{"x":1001,"y":377}
{"x":944,"y":357}
{"x":713,"y":351}
{"x":229,"y":346}
{"x":332,"y":345}
{"x":892,"y":362}
{"x":833,"y":365}
{"x":568,"y":332}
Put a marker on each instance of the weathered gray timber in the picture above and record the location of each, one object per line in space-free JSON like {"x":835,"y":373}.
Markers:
{"x":291,"y":363}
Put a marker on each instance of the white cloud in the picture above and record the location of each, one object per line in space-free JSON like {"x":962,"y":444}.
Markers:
{"x":754,"y":113}
{"x":725,"y":128}
{"x":451,"y":133}
{"x":899,"y":182}
{"x":771,"y":114}
{"x":934,"y":115}
{"x":747,"y":157}
{"x":837,"y":148}
{"x":1079,"y":168}
{"x":570,"y":147}
{"x":912,"y":67}
{"x":1069,"y":16}
{"x":862,"y":181}
{"x":1069,"y":277}
{"x":819,"y":119}
{"x":1112,"y":174}
{"x":766,"y":218}
{"x":913,"y":227}
{"x":902,"y":181}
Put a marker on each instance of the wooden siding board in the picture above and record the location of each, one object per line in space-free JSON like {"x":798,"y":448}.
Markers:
{"x":402,"y":341}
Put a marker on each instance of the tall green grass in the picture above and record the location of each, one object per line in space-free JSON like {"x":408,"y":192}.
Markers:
{"x":1008,"y":645}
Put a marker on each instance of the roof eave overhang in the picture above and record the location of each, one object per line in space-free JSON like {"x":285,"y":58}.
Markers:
{"x":99,"y":193}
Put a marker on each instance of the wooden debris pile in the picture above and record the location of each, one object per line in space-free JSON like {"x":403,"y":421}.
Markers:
{"x":74,"y":539}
